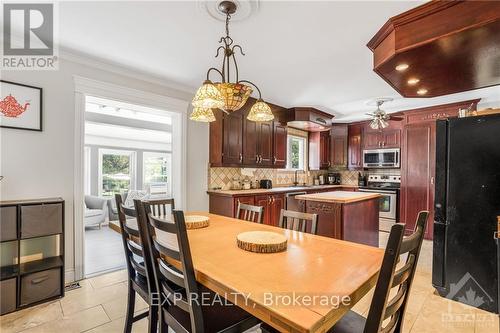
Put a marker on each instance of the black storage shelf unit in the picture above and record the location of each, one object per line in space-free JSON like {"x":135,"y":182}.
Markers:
{"x":37,"y":224}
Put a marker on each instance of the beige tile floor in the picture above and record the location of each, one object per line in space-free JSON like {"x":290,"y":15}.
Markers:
{"x":99,"y":306}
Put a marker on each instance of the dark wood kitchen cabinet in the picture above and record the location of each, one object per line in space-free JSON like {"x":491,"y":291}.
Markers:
{"x":232,"y":151}
{"x":324,"y":150}
{"x":236,"y":141}
{"x":257,"y":143}
{"x":354,"y":156}
{"x":418,"y":161}
{"x":382,"y":139}
{"x":418,"y":171}
{"x":280,"y":144}
{"x":338,"y":146}
{"x":272,"y":204}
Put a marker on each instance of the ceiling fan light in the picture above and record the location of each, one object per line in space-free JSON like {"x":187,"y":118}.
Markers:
{"x":202,"y":115}
{"x":383,"y":123}
{"x":374,"y":124}
{"x":208,"y":97}
{"x":260,"y":111}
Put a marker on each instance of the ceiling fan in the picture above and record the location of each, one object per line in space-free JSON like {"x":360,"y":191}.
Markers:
{"x":380,"y":118}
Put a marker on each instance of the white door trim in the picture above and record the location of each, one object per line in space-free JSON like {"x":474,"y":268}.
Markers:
{"x":85,"y":86}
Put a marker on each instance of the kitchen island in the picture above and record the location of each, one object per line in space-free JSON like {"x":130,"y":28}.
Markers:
{"x":351,"y":216}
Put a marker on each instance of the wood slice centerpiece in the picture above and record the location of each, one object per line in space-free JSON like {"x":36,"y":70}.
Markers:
{"x":261,"y":241}
{"x":196,"y":221}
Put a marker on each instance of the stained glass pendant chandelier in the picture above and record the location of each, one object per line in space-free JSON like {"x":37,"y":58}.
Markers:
{"x":226,"y":95}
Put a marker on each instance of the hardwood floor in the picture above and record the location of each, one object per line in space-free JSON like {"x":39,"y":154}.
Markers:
{"x":103,"y":250}
{"x":99,"y":306}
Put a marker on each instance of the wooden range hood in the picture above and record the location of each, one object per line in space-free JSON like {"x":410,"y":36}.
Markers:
{"x":448,"y":46}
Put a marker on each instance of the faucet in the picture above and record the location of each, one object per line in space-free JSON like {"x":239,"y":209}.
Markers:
{"x":296,"y":181}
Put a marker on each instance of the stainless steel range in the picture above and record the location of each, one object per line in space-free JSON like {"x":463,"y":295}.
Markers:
{"x":388,"y":187}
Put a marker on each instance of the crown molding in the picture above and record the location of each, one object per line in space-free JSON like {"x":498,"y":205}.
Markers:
{"x":178,"y":89}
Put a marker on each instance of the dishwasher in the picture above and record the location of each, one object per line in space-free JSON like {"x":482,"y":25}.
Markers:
{"x":292,"y":203}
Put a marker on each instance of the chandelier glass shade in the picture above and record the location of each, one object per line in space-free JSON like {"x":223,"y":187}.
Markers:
{"x":260,"y":111}
{"x":234,"y":95}
{"x":226,"y":95}
{"x":208,"y":96}
{"x":202,"y":114}
{"x":379,"y":123}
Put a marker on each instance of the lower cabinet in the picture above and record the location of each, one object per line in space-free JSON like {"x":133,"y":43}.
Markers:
{"x":273,"y":204}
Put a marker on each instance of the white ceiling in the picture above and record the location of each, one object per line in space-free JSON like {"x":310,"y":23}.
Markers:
{"x":300,"y":53}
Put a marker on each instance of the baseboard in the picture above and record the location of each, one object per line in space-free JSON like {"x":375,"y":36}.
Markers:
{"x":69,"y":276}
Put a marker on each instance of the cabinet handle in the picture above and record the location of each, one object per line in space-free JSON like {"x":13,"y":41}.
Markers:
{"x":241,"y":157}
{"x":39,"y":280}
{"x":274,"y":159}
{"x":260,"y":158}
{"x":432,"y":180}
{"x":256,"y":158}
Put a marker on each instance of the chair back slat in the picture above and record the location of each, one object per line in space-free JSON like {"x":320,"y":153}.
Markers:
{"x":136,"y":257}
{"x":298,"y":221}
{"x":160,"y":207}
{"x":382,"y":308}
{"x":249,"y":213}
{"x":172,"y":274}
{"x":171,"y":253}
{"x":167,"y":275}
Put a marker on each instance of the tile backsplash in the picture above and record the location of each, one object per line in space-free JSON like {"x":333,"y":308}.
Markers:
{"x":223,"y":177}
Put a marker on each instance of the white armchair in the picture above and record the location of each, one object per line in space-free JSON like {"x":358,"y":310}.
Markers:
{"x":96,"y":210}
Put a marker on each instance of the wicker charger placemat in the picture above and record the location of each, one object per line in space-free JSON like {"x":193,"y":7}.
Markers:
{"x":196,"y":221}
{"x":261,"y":241}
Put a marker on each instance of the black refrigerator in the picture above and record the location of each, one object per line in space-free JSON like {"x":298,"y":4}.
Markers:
{"x":466,"y":249}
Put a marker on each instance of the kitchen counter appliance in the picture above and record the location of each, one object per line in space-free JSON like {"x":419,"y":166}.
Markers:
{"x":334,"y":178}
{"x":381,"y":158}
{"x":266,"y":183}
{"x":467,"y":203}
{"x":388,"y":187}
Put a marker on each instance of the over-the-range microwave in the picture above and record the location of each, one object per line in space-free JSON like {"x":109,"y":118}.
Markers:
{"x":381,"y":158}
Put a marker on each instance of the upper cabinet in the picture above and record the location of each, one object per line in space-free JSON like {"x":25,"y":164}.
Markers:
{"x":324,"y":150}
{"x":236,"y":141}
{"x":338,"y":146}
{"x":419,"y":56}
{"x":354,"y":153}
{"x":382,"y":139}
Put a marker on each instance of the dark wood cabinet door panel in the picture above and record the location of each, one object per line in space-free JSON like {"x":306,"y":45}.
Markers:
{"x":277,"y":204}
{"x":418,"y":170}
{"x":250,"y":142}
{"x":338,"y":150}
{"x":329,"y":218}
{"x":391,"y":139}
{"x":265,"y":143}
{"x":372,"y":140}
{"x":354,"y":147}
{"x":324,"y":150}
{"x":280,"y":144}
{"x":233,"y":138}
{"x":264,"y":201}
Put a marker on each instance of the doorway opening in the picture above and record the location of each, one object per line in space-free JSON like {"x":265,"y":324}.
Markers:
{"x":127,"y":151}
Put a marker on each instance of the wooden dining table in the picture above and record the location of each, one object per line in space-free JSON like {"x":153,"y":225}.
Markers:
{"x":306,"y":288}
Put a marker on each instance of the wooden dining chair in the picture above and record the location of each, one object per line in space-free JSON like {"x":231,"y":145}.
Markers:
{"x":139,"y":269}
{"x":160,"y":207}
{"x":249,"y":213}
{"x":387,"y":315}
{"x":180,"y":293}
{"x":298,"y":221}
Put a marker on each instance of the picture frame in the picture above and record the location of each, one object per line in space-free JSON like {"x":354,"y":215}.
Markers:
{"x":20,"y":106}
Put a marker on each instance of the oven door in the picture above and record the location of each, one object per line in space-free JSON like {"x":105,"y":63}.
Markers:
{"x":387,"y":203}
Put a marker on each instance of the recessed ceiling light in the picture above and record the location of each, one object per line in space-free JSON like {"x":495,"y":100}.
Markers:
{"x":422,"y":91}
{"x":402,"y":67}
{"x":413,"y":81}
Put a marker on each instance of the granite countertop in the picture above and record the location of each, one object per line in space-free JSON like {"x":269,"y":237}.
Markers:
{"x":283,"y":189}
{"x":338,"y":196}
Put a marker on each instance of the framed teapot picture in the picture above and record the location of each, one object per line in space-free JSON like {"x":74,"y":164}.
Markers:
{"x":20,"y":106}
